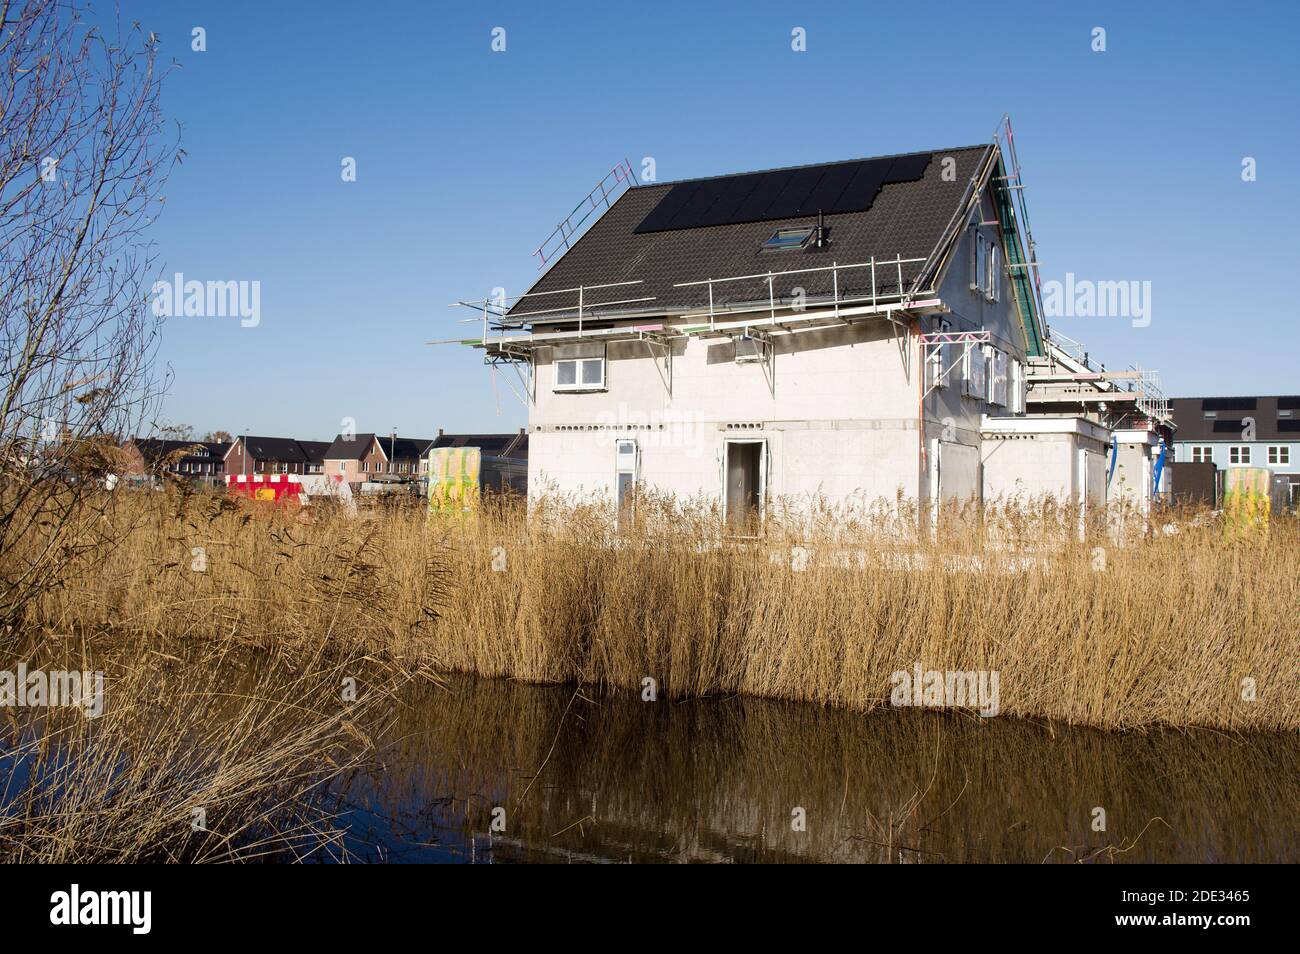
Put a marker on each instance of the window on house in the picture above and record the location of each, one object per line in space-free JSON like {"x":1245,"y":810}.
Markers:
{"x":978,"y":259}
{"x":625,"y":476}
{"x":936,"y":358}
{"x":580,"y":367}
{"x":993,"y":281}
{"x":1279,"y":455}
{"x":1239,"y":455}
{"x":976,"y":373}
{"x":1202,"y":453}
{"x":788,"y":240}
{"x":1017,"y":387}
{"x":998,"y":389}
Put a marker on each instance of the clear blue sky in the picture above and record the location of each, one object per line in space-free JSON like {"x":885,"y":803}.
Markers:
{"x":467,"y":158}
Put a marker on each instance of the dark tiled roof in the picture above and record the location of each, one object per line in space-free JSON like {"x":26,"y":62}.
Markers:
{"x":1229,"y":421}
{"x":315,"y":450}
{"x":349,"y":448}
{"x":492,"y":445}
{"x":285,"y":449}
{"x":405,"y":448}
{"x":906,"y":219}
{"x":152,"y":448}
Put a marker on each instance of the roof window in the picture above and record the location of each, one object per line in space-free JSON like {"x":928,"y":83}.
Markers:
{"x":789,"y":240}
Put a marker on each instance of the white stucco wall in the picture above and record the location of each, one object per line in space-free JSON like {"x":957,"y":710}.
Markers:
{"x":840,"y":418}
{"x":1031,"y":457}
{"x":842,"y":412}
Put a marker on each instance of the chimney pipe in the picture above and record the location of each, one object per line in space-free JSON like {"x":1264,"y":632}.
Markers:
{"x":821,"y":230}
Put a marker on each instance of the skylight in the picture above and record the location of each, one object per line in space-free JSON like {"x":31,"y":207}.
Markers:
{"x":788,"y":240}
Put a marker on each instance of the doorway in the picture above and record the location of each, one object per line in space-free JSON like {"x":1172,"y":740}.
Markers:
{"x":743,"y":490}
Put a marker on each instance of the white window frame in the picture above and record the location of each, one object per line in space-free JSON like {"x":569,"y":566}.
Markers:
{"x":1239,"y":454}
{"x":979,"y":261}
{"x":578,"y":355}
{"x":1202,"y":454}
{"x":998,"y":385}
{"x":993,"y":283}
{"x":625,"y":447}
{"x":936,"y":359}
{"x":976,"y":384}
{"x":1279,"y":455}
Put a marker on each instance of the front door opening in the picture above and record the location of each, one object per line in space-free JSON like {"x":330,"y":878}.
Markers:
{"x":744,"y":486}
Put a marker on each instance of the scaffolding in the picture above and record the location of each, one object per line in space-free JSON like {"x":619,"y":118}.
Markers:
{"x":1067,"y":375}
{"x":606,"y":192}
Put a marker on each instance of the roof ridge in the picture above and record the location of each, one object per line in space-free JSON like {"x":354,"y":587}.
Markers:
{"x":813,"y":165}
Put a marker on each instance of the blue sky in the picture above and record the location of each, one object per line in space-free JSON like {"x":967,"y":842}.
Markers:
{"x":467,"y":158}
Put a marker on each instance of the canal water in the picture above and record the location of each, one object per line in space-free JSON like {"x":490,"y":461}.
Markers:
{"x":489,"y":771}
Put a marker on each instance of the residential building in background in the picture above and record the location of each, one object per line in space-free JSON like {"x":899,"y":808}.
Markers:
{"x":1261,"y":431}
{"x":202,"y":462}
{"x":274,"y":455}
{"x":360,"y":458}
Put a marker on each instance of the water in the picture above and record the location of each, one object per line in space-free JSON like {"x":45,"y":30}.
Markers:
{"x":609,"y":778}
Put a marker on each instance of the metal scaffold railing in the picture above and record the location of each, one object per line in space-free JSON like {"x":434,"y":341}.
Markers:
{"x":608,"y":189}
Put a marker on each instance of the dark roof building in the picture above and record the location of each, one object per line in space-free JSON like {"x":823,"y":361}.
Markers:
{"x":1227,"y":418}
{"x":195,"y":460}
{"x":513,"y":446}
{"x":277,"y":455}
{"x":349,"y":447}
{"x":666,"y":234}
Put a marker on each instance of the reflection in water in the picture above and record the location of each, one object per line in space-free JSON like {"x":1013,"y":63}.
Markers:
{"x":612,"y":778}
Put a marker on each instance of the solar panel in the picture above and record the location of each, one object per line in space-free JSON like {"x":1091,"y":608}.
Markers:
{"x":736,"y":190}
{"x":705,"y":194}
{"x":826,"y":195}
{"x":908,"y":168}
{"x":791,"y":199}
{"x":662,"y":214}
{"x":862,"y":188}
{"x":760,"y":196}
{"x":754,"y":208}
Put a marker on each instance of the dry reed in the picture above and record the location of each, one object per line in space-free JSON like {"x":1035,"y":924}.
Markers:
{"x":1130,"y":625}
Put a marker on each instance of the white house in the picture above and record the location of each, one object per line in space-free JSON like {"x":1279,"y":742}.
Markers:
{"x":845,"y":331}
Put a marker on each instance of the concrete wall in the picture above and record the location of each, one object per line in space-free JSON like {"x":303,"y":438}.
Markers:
{"x":1030,"y":457}
{"x":1134,"y":477}
{"x":838,"y":413}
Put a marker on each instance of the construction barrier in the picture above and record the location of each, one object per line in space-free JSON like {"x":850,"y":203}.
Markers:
{"x":454,"y":480}
{"x":269,"y":487}
{"x":1246,"y":499}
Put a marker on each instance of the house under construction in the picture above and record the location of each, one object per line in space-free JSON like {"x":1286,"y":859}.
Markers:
{"x":844,"y":331}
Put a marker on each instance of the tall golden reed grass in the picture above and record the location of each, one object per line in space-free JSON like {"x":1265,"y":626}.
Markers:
{"x":1131,"y":624}
{"x":200,"y":752}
